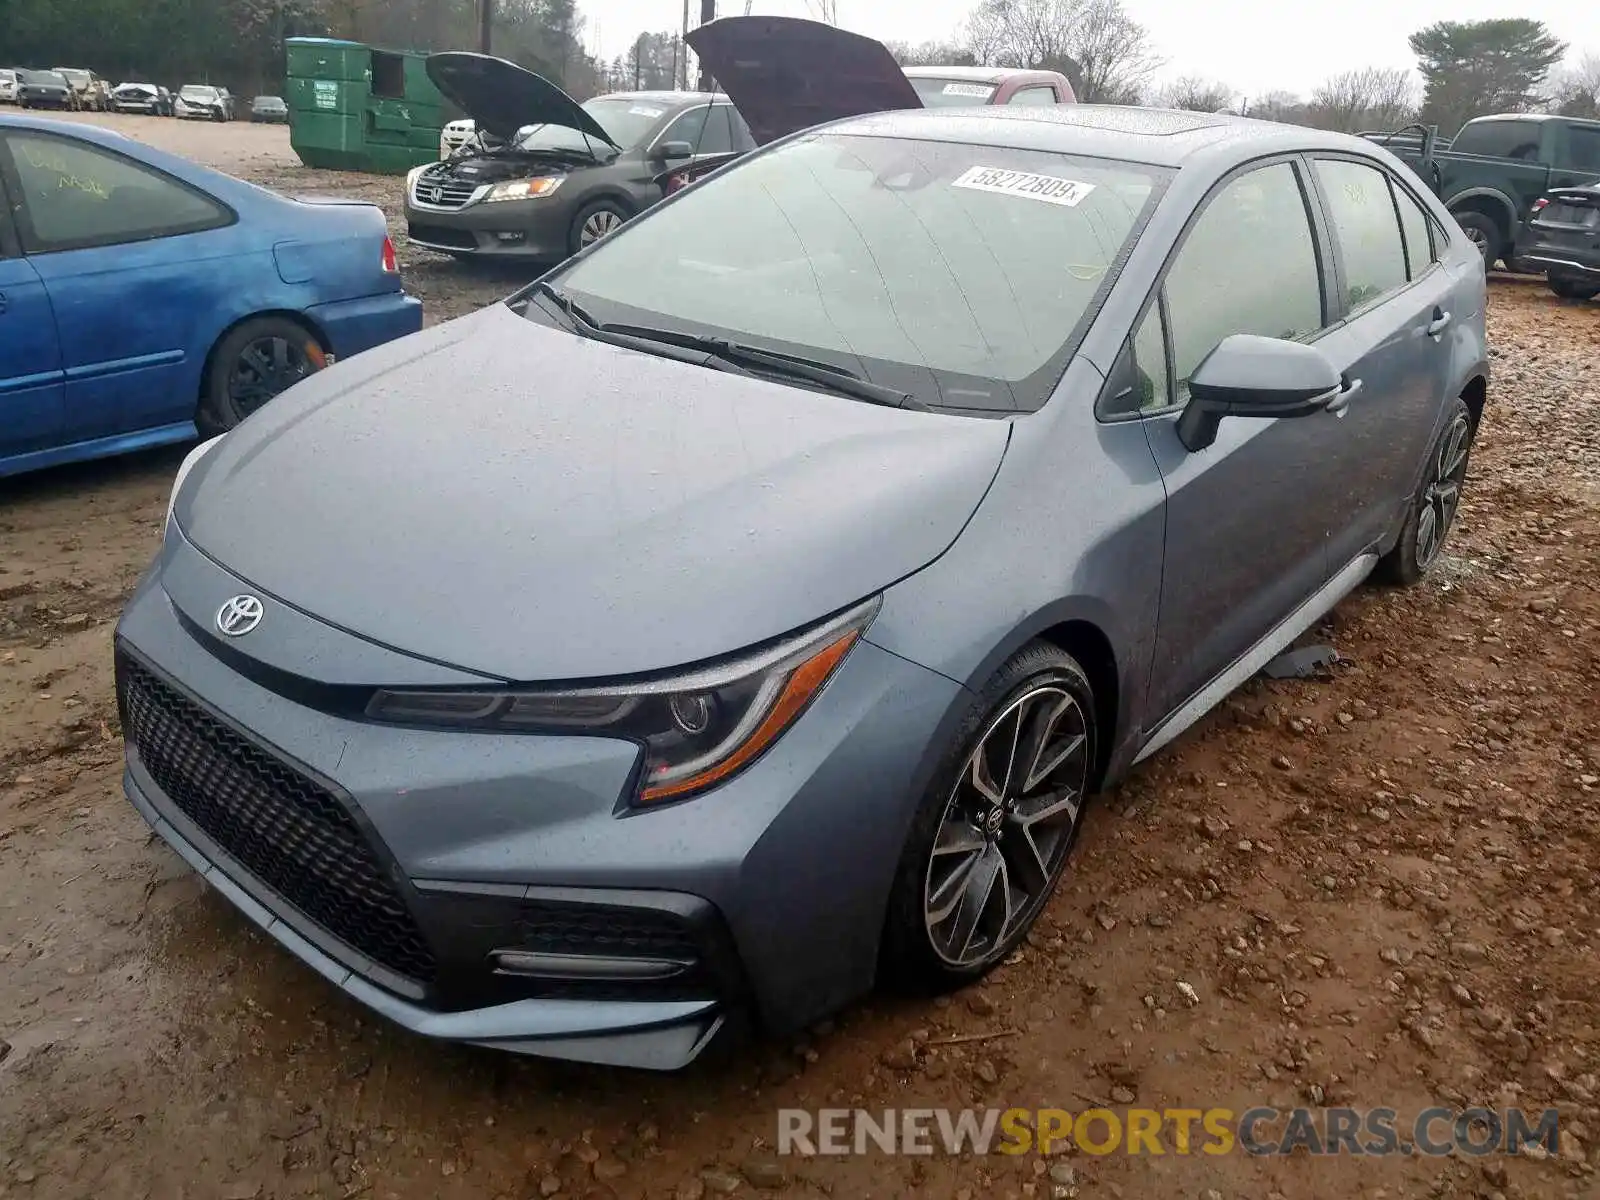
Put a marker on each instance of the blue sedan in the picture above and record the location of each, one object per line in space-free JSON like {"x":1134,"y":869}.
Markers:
{"x":144,"y":298}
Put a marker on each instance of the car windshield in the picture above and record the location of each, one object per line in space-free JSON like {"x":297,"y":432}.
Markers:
{"x":952,"y":93}
{"x":77,"y":77}
{"x":43,"y":78}
{"x":193,"y":92}
{"x":961,"y":274}
{"x":268,"y":102}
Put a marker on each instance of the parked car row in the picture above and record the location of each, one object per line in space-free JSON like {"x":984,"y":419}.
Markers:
{"x":531,"y":173}
{"x":71,"y":89}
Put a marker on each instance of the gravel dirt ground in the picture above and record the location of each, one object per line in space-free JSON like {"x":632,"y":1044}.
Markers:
{"x":1379,"y":887}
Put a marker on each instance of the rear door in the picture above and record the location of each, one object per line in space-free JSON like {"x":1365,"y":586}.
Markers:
{"x":122,"y":250}
{"x":1394,"y":336}
{"x":1246,"y":524}
{"x":32,"y":384}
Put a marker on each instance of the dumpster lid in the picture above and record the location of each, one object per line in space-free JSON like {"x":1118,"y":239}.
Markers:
{"x":785,"y":74}
{"x":503,"y":97}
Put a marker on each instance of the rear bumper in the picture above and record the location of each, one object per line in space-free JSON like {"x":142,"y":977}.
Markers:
{"x":1571,"y":251}
{"x":356,"y":325}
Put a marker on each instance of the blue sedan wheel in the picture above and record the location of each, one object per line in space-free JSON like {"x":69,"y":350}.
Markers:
{"x":259,"y":360}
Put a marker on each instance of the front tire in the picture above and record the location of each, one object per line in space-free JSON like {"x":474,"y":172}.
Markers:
{"x":257,"y":361}
{"x":594,"y":222}
{"x":991,"y":837}
{"x":1573,"y":289}
{"x":1433,"y":508}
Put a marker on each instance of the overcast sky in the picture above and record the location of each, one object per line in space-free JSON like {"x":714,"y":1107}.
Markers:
{"x":1255,"y":46}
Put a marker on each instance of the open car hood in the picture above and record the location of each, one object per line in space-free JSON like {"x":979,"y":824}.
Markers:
{"x":503,"y":97}
{"x":785,"y":74}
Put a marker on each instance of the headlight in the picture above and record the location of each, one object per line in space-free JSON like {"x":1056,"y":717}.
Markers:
{"x":523,"y":189}
{"x":697,"y":729}
{"x":187,"y":465}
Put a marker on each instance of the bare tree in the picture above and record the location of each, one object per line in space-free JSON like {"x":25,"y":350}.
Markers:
{"x":1284,"y":107}
{"x":1371,"y":98}
{"x":1095,"y":43}
{"x":932,"y":54}
{"x":1113,"y":53}
{"x":1578,"y":89}
{"x":1197,"y":94}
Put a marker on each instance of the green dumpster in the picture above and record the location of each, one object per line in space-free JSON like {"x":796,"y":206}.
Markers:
{"x":353,"y":107}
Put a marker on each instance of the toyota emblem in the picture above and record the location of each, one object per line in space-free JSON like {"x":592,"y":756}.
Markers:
{"x":436,"y":195}
{"x":239,"y":616}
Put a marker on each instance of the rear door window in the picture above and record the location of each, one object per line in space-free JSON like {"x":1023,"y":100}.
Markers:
{"x":1365,"y":227}
{"x":1418,"y":230}
{"x":1583,"y":147}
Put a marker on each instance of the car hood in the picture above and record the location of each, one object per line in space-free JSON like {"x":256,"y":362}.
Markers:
{"x":503,"y":97}
{"x":785,"y":74}
{"x":507,"y":498}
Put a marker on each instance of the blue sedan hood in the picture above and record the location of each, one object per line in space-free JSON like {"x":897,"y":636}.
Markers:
{"x":517,"y":501}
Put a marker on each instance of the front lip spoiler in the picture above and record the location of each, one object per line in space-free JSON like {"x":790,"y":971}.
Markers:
{"x":658,"y":1035}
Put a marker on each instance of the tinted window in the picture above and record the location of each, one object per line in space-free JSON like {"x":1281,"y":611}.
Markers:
{"x":1034,"y":95}
{"x":1417,"y":228}
{"x":689,"y":127}
{"x":1500,"y":139}
{"x":1365,"y":226}
{"x":1583,"y":147}
{"x":1248,"y":265}
{"x":78,"y":195}
{"x":952,"y":93}
{"x":718,"y":137}
{"x":958,"y":273}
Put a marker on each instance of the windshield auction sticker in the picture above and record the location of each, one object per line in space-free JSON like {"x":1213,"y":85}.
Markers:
{"x":968,"y":89}
{"x":1068,"y":192}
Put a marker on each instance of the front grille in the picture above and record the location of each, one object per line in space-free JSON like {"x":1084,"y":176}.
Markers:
{"x":291,"y":834}
{"x":556,"y":928}
{"x":441,"y":192}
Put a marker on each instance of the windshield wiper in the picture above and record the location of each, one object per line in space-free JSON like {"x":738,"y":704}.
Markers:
{"x":772,"y":362}
{"x":724,"y":354}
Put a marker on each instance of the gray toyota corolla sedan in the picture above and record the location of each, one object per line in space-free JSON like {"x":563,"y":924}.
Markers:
{"x":742,"y":614}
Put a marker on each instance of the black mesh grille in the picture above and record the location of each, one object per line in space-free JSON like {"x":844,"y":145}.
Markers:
{"x":590,"y":929}
{"x":287,"y":831}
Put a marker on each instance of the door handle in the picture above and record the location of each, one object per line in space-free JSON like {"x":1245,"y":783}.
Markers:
{"x":1439,"y":324}
{"x":1342,"y":398}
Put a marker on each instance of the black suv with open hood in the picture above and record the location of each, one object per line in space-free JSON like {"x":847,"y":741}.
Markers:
{"x":553,"y":175}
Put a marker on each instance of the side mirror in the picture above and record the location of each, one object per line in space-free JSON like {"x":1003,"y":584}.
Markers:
{"x":674,"y":151}
{"x":1251,"y":376}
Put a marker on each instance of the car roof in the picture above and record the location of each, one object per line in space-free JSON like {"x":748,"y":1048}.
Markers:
{"x":687,"y":99}
{"x":972,"y":74}
{"x":1533,"y":117}
{"x":1159,"y":137}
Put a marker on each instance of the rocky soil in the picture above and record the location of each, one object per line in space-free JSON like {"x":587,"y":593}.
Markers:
{"x":1374,"y":888}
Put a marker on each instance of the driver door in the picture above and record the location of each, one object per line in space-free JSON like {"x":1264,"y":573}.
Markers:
{"x":1247,"y":526}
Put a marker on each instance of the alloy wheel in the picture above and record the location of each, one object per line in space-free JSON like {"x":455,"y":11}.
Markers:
{"x":1007,"y":826}
{"x":266,"y":367}
{"x":1443,"y":492}
{"x":598,"y":225}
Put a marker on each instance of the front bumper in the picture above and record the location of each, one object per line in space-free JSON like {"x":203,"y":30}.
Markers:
{"x":531,"y":229}
{"x":396,"y":862}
